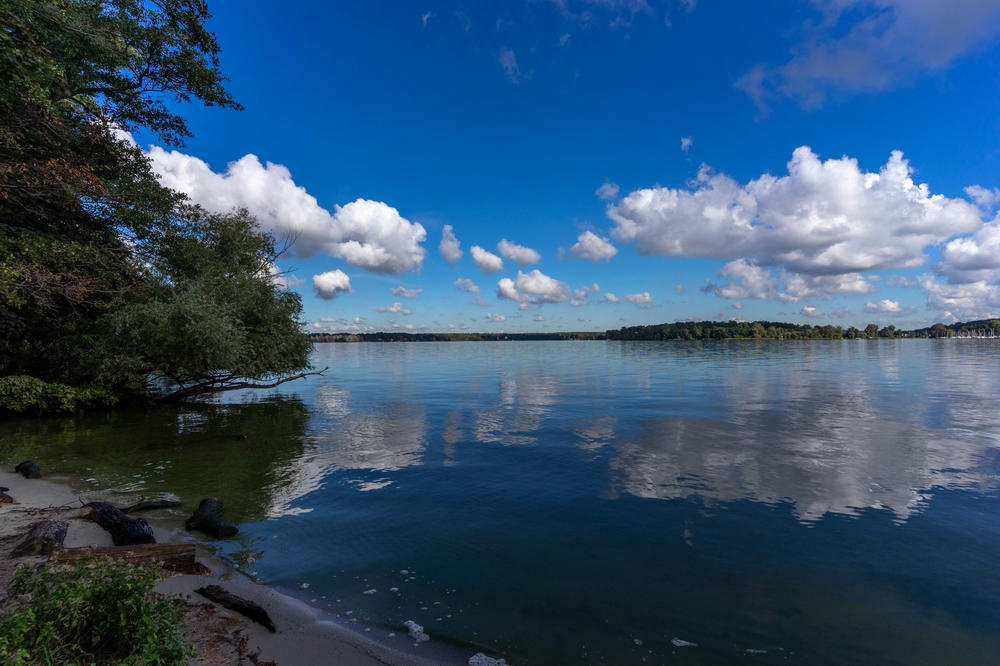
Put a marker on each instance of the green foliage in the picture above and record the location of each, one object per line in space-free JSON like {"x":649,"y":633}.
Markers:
{"x":107,"y":278}
{"x":723,"y":330}
{"x":102,"y":612}
{"x":215,"y":315}
{"x":977,"y":328}
{"x":21,"y":394}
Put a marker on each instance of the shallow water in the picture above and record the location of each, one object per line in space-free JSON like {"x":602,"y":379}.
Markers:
{"x":819,"y":502}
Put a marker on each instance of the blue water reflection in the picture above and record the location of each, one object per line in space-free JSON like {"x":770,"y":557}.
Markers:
{"x":818,"y":502}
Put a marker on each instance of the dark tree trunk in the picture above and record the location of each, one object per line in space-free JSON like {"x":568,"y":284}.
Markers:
{"x":44,"y":537}
{"x":242,"y":606}
{"x":208,"y":519}
{"x":29,"y":470}
{"x":124,"y":530}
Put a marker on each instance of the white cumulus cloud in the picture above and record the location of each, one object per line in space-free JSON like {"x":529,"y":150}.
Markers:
{"x":331,"y":284}
{"x":533,"y":287}
{"x":449,"y":247}
{"x":971,"y":300}
{"x":591,"y":246}
{"x":465,"y":284}
{"x":810,"y":311}
{"x":642,"y":300}
{"x":495,"y":317}
{"x":885,"y":306}
{"x":822,"y":225}
{"x":395,"y":308}
{"x":283,"y":279}
{"x":364,"y":233}
{"x":403,"y":292}
{"x":607,"y":191}
{"x":519,"y":254}
{"x":486,"y":260}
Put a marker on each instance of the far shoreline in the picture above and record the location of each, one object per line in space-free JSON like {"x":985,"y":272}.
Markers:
{"x":686,"y":331}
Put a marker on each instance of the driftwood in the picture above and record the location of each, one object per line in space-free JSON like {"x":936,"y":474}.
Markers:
{"x":44,"y":537}
{"x":29,"y":470}
{"x":173,"y":556}
{"x":208,"y":519}
{"x":124,"y":530}
{"x":242,"y":606}
{"x":145,"y":505}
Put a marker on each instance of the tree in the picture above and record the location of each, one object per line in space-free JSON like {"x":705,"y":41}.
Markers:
{"x":871,"y":331}
{"x":214,"y":317}
{"x":88,"y":236}
{"x":939,"y":330}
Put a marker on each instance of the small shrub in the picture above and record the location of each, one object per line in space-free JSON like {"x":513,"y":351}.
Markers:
{"x":98,"y":612}
{"x":23,"y":394}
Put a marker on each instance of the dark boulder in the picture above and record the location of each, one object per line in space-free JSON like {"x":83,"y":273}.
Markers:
{"x":208,"y":519}
{"x":43,"y":538}
{"x":29,"y":470}
{"x":124,"y":530}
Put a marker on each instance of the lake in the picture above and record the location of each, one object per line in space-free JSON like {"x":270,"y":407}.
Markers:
{"x":601,"y":502}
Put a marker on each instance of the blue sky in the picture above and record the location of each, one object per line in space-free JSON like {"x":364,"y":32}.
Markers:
{"x":673,"y":132}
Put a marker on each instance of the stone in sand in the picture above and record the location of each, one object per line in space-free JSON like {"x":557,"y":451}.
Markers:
{"x":43,"y":538}
{"x":29,"y":470}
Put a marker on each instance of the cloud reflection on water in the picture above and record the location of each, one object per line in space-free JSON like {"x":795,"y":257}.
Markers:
{"x":827,"y":428}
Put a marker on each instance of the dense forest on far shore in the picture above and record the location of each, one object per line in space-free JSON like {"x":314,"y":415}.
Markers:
{"x":695,"y":330}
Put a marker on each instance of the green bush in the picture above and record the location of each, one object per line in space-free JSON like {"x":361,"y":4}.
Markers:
{"x":98,"y":612}
{"x":22,"y":394}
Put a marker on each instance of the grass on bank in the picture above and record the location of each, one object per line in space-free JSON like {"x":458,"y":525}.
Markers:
{"x":97,"y":612}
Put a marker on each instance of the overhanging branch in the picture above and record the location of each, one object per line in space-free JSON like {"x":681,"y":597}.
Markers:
{"x":220,"y":385}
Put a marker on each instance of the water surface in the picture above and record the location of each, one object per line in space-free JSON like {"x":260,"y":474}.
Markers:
{"x":819,"y":502}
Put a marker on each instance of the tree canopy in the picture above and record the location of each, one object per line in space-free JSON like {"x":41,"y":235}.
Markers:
{"x":107,"y":278}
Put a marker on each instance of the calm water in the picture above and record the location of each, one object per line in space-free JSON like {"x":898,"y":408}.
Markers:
{"x":588,"y":502}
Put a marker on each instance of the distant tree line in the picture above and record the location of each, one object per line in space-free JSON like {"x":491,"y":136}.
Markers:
{"x":694,"y":330}
{"x":769,"y":330}
{"x":978,"y":328}
{"x":451,"y":337}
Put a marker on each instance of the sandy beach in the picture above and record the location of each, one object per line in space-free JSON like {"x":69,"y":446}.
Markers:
{"x":304,"y":635}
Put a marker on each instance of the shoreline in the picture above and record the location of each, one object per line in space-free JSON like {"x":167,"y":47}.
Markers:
{"x":305,"y":634}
